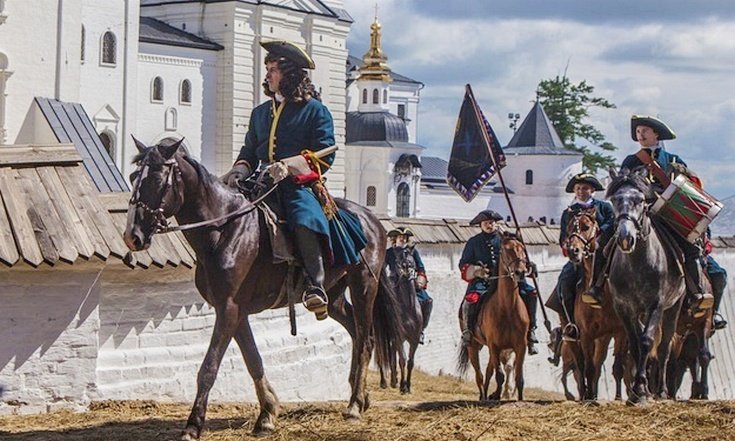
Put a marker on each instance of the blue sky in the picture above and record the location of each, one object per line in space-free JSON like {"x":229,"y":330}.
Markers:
{"x":674,"y":59}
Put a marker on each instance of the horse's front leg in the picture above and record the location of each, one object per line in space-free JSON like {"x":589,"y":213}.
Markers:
{"x":638,"y":392}
{"x":668,"y":328}
{"x":409,"y":365}
{"x":518,"y":372}
{"x":618,"y":370}
{"x":225,"y":325}
{"x":704,"y":358}
{"x":267,"y":398}
{"x":473,"y":355}
{"x":401,"y":352}
{"x":493,"y":365}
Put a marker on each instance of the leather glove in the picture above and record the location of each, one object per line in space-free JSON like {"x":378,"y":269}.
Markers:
{"x":239,"y":172}
{"x":679,"y":168}
{"x":532,"y":269}
{"x":278,"y":171}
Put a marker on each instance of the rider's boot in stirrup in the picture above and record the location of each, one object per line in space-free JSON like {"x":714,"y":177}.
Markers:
{"x":593,"y":296}
{"x":314,"y":296}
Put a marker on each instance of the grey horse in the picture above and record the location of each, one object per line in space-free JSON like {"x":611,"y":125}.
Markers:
{"x":646,"y":288}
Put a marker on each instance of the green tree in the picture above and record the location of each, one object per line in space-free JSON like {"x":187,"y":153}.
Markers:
{"x":567,"y":105}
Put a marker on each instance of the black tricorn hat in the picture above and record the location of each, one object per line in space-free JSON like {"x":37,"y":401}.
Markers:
{"x":486,"y":215}
{"x":400,"y":231}
{"x":658,"y":126}
{"x":286,"y":49}
{"x":584,"y":178}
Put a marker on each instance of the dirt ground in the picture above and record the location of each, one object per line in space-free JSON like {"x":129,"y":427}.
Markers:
{"x":441,"y":408}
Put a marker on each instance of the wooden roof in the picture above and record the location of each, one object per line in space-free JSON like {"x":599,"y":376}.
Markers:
{"x":52,"y":213}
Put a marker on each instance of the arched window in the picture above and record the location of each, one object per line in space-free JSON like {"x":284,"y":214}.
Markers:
{"x":385,"y":96}
{"x":171,"y":119}
{"x":185,"y":95}
{"x":403,"y":200}
{"x":529,"y":177}
{"x":376,"y":96}
{"x":109,"y":48}
{"x":108,"y":141}
{"x":157,"y":90}
{"x":84,"y":38}
{"x":372,"y":196}
{"x":364,"y":96}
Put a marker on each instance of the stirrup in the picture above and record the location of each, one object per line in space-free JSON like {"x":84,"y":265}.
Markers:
{"x":315,"y":300}
{"x":570,"y":333}
{"x":718,"y":322}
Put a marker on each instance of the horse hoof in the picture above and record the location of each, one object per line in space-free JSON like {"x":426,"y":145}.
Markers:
{"x":351,"y":414}
{"x":189,"y":434}
{"x":262,"y":431}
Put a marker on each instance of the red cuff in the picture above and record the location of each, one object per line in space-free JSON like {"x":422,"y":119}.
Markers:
{"x":306,"y":178}
{"x":463,"y":269}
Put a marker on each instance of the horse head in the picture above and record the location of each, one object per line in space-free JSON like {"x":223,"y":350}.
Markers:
{"x":581,"y":232}
{"x":157,"y":192}
{"x":631,"y":196}
{"x":405,"y":266}
{"x":513,"y":257}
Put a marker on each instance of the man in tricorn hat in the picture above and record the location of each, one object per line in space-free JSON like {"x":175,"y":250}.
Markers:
{"x":400,"y":237}
{"x":293,"y":124}
{"x":583,"y":185}
{"x":480,"y":260}
{"x":648,"y":132}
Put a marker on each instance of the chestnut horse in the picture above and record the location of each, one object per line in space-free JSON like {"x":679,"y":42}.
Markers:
{"x":502,"y":323}
{"x":235,"y":272}
{"x":597,"y":326}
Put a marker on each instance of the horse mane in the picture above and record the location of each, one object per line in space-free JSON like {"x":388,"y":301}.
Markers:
{"x":636,"y":178}
{"x":201,"y":171}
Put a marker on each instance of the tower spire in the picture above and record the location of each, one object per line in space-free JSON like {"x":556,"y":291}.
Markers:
{"x":374,"y":62}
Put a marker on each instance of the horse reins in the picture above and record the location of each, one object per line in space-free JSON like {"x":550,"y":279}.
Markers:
{"x":161,"y":223}
{"x":587,"y":243}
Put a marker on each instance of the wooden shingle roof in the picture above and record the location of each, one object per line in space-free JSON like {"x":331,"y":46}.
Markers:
{"x":50,"y":213}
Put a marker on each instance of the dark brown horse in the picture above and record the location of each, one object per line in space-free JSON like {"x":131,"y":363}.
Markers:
{"x":690,"y":350}
{"x":597,"y":326}
{"x":502,"y":323}
{"x":402,"y":276}
{"x":235,"y":272}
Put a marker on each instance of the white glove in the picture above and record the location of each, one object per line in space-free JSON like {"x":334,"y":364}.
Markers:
{"x":278,"y":171}
{"x":421,"y":281}
{"x":478,"y":271}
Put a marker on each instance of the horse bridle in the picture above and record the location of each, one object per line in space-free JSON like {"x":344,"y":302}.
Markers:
{"x":509,"y":265}
{"x":159,"y":221}
{"x":588,"y":244}
{"x":639,"y":227}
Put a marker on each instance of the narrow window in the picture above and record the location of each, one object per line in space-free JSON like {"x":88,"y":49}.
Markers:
{"x":529,"y":177}
{"x":84,"y":37}
{"x":403,"y":200}
{"x":109,"y":143}
{"x":364,"y":96}
{"x":157,"y":90}
{"x":376,"y":96}
{"x":109,"y":48}
{"x":402,"y":111}
{"x":185,"y":96}
{"x":385,"y":96}
{"x":371,"y":196}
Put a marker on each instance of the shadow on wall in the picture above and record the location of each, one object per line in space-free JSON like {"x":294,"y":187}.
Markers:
{"x":38,"y":306}
{"x":144,"y":299}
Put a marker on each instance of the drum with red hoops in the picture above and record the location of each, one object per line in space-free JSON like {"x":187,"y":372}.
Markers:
{"x":686,"y":208}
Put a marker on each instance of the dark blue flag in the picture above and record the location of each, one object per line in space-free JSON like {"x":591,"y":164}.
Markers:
{"x":476,"y":153}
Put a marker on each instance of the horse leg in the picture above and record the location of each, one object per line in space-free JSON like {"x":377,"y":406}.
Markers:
{"x":645,"y":343}
{"x":394,"y":366}
{"x":411,"y":354}
{"x":579,"y":371}
{"x":638,"y":391}
{"x":597,"y":362}
{"x":267,"y":398}
{"x":225,"y":326}
{"x":473,"y":354}
{"x":618,"y":369}
{"x":402,"y":364}
{"x":668,"y":328}
{"x":363,"y":289}
{"x":494,"y":364}
{"x":704,"y":357}
{"x":588,"y":350}
{"x":520,"y":357}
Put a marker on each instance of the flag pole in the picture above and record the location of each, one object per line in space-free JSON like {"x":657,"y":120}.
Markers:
{"x":478,"y":115}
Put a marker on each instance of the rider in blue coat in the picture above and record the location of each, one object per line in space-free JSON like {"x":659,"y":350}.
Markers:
{"x":401,"y":237}
{"x":648,"y":132}
{"x":480,"y":260}
{"x":293,"y":124}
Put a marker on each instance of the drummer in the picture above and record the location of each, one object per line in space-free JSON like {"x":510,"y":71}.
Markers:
{"x":648,"y":132}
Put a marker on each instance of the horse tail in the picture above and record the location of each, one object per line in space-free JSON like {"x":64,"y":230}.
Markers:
{"x":463,"y":359}
{"x":388,"y":329}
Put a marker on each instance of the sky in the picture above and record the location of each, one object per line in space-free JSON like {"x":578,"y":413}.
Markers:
{"x":672,"y":59}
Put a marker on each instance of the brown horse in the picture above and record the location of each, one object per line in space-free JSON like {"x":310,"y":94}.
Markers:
{"x":597,"y":326}
{"x":690,"y":350}
{"x":235,"y":272}
{"x":502,"y":323}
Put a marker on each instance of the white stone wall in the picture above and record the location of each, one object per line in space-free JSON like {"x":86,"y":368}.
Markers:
{"x":49,"y":324}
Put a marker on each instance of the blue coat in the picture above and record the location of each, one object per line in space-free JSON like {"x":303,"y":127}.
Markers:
{"x":663,"y":159}
{"x":604,"y":216}
{"x":485,"y":248}
{"x":305,"y":125}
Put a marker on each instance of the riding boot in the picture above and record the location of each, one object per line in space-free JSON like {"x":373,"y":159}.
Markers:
{"x":568,"y":294}
{"x":426,"y":307}
{"x":700,"y":300}
{"x":593,"y":296}
{"x":314,"y":296}
{"x":464,"y":323}
{"x":531,"y":303}
{"x":719,"y":280}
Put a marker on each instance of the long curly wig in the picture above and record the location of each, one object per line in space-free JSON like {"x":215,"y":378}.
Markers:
{"x":295,"y":85}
